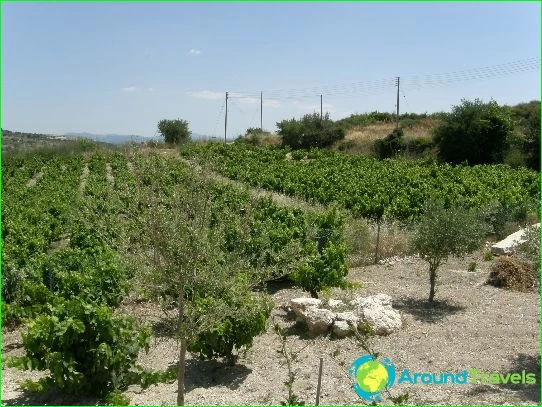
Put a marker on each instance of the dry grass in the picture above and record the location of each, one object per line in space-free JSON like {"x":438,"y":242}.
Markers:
{"x":360,"y":139}
{"x":513,"y":274}
{"x":360,"y":238}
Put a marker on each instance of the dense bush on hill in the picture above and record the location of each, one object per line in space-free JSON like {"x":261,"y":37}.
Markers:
{"x":475,"y":132}
{"x":310,"y":131}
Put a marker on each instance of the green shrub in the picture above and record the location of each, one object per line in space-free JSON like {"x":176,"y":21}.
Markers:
{"x":391,"y":145}
{"x":247,"y":318}
{"x":530,"y":248}
{"x":364,"y":119}
{"x":325,"y":264}
{"x":527,"y":117}
{"x":504,"y":219}
{"x":97,"y":276}
{"x":419,"y":145}
{"x":116,"y":398}
{"x":310,"y":131}
{"x":407,"y":123}
{"x":346,"y":145}
{"x":475,"y":132}
{"x":86,"y":349}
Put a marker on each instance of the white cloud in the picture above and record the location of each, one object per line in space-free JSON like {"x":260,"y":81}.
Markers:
{"x":207,"y":94}
{"x":194,"y":52}
{"x":151,"y":89}
{"x":129,"y":89}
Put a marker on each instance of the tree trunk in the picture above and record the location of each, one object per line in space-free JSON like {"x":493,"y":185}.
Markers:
{"x":432,"y":282}
{"x":182,"y":352}
{"x":180,"y":373}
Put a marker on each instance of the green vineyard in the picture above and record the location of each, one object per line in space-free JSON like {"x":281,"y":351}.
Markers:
{"x":368,"y":187}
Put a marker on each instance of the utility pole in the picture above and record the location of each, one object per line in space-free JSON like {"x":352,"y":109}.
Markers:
{"x":261,"y":111}
{"x":398,"y":102}
{"x":321,"y":115}
{"x":226,"y":119}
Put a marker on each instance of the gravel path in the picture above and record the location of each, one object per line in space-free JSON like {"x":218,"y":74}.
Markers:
{"x":472,"y":326}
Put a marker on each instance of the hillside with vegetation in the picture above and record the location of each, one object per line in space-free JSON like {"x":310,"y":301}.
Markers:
{"x":164,"y":273}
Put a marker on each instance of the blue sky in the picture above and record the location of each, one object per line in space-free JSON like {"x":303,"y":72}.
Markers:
{"x":122,"y":67}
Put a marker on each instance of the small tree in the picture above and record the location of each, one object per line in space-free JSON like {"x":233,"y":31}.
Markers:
{"x":474,"y":132}
{"x":445,"y":232}
{"x":185,"y":265}
{"x":310,"y":131}
{"x":174,"y":131}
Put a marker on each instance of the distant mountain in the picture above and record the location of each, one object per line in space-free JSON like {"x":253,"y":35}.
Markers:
{"x":109,"y":138}
{"x":120,"y":138}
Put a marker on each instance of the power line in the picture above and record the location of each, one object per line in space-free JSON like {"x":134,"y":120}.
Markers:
{"x":410,"y":82}
{"x":221,"y":111}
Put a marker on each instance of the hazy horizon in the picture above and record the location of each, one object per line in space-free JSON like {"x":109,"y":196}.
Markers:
{"x":121,"y":67}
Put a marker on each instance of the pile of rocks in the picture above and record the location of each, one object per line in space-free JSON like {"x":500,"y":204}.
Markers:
{"x":374,"y":312}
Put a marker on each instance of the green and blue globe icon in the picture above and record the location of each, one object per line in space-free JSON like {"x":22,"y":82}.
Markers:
{"x":371,"y":377}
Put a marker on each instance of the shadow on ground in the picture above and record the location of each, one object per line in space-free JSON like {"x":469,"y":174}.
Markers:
{"x":210,"y":373}
{"x":531,"y":364}
{"x":274,"y":286}
{"x":51,"y":397}
{"x":164,"y":328}
{"x":424,"y":311}
{"x":527,"y":392}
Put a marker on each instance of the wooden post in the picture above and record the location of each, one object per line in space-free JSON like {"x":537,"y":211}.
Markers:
{"x":398,"y":79}
{"x":226,"y":119}
{"x":377,"y":239}
{"x":319,"y":382}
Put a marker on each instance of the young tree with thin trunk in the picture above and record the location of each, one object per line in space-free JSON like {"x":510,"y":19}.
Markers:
{"x":445,"y":232}
{"x":182,"y":262}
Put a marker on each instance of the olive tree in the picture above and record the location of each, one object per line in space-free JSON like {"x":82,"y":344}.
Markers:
{"x":204,"y":288}
{"x":174,"y":131}
{"x":444,"y":232}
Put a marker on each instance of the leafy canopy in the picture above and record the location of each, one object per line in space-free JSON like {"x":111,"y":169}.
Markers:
{"x":174,"y":131}
{"x":310,"y":131}
{"x":474,"y":132}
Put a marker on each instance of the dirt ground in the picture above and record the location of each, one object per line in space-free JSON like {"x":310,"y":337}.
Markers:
{"x":472,"y":326}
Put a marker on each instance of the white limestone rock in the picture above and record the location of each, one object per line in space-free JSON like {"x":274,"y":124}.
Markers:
{"x":341,"y":329}
{"x":299,"y":305}
{"x":509,"y":243}
{"x":318,"y":320}
{"x":377,"y":311}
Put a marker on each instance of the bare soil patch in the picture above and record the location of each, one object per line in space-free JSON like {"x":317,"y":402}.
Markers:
{"x":472,"y":326}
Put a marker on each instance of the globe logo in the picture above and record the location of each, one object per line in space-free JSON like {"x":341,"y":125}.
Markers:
{"x":371,"y":377}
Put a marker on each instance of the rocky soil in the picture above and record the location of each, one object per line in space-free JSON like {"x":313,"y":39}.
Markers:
{"x":471,"y":326}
